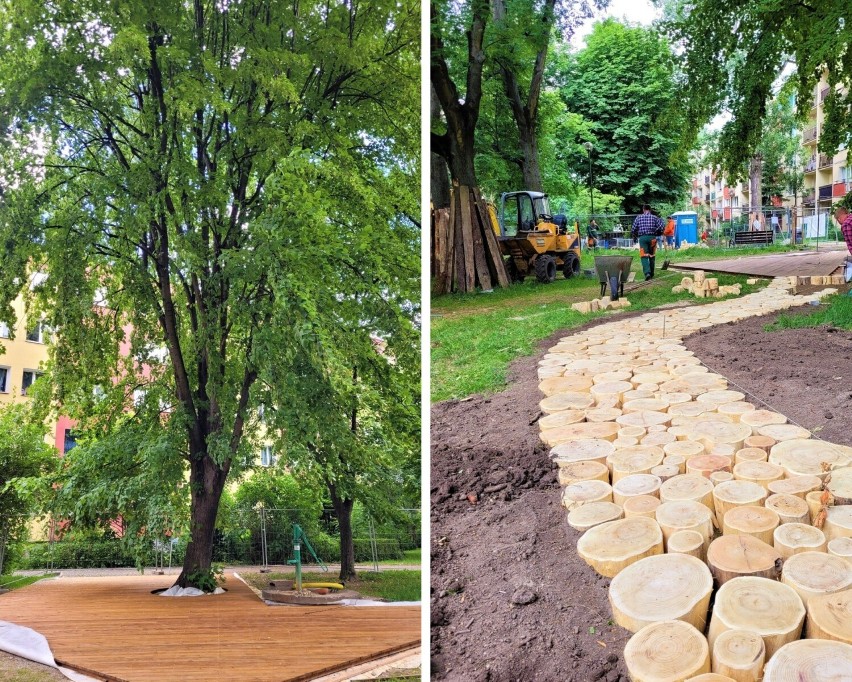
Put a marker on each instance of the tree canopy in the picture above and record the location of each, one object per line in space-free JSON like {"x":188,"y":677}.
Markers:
{"x":222,"y":195}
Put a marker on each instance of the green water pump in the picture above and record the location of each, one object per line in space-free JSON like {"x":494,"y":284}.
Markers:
{"x":298,"y":538}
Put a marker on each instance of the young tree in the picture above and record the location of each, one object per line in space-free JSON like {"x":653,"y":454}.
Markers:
{"x":624,"y":83}
{"x":209,"y":171}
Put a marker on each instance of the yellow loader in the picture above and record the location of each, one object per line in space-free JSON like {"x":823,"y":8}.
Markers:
{"x":536,"y":241}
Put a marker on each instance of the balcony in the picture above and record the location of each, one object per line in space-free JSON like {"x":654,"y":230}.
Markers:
{"x":825,"y":161}
{"x":825,"y":193}
{"x":706,"y":179}
{"x":839,"y":189}
{"x":808,"y":199}
{"x":823,"y":94}
{"x":809,"y":134}
{"x":811,"y":165}
{"x":696,"y":201}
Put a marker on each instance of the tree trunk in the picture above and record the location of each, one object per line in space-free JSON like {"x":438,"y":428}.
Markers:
{"x":755,"y":183}
{"x":529,"y":148}
{"x":343,"y":511}
{"x":208,"y":481}
{"x":3,"y":538}
{"x":439,"y":177}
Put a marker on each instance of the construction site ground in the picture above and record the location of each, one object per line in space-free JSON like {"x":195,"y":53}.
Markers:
{"x":504,"y":567}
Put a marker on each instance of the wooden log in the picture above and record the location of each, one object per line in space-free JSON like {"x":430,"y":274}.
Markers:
{"x":758,"y":522}
{"x":625,"y":442}
{"x":762,"y":473}
{"x":687,"y":542}
{"x":723,"y":449}
{"x":818,"y":501}
{"x":644,"y":418}
{"x":718,"y":477}
{"x":691,"y":409}
{"x":722,"y":397}
{"x":790,"y":509}
{"x":731,"y":494}
{"x":483,"y":275}
{"x":611,"y":389}
{"x":750,"y":455}
{"x":782,"y":432}
{"x":583,"y":492}
{"x":793,"y":538}
{"x":579,"y":431}
{"x":665,"y":471}
{"x":735,"y":410}
{"x":583,"y":450}
{"x":631,"y":432}
{"x":839,"y":484}
{"x":641,"y":505}
{"x":634,"y":460}
{"x":669,"y":651}
{"x":704,"y":465}
{"x":736,"y":556}
{"x":739,"y":654}
{"x":658,"y":438}
{"x":841,"y":547}
{"x":817,"y":660}
{"x":612,"y":546}
{"x":602,"y":414}
{"x":582,"y":471}
{"x":570,"y":383}
{"x":649,"y":404}
{"x":635,"y":484}
{"x":771,"y":609}
{"x":469,"y":273}
{"x":572,"y":400}
{"x":493,"y":255}
{"x":594,"y":514}
{"x":678,"y":461}
{"x":816,"y":573}
{"x":830,"y":617}
{"x":807,"y":457}
{"x":757,"y":419}
{"x":711,"y":677}
{"x":838,"y":522}
{"x":796,"y":485}
{"x":688,"y":487}
{"x":661,"y":588}
{"x":711,"y":433}
{"x":762,"y":442}
{"x":562,"y":418}
{"x":685,"y":515}
{"x":684,"y":448}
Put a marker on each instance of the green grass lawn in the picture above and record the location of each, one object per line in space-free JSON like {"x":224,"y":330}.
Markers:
{"x":409,"y":558}
{"x":476,"y":336}
{"x":16,"y":582}
{"x":390,"y":585}
{"x":835,"y":311}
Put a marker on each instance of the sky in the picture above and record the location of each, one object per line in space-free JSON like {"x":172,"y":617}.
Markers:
{"x":635,"y":11}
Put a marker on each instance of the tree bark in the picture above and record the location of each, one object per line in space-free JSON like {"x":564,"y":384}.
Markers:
{"x":439,"y":177}
{"x":343,"y":511}
{"x":755,"y":181}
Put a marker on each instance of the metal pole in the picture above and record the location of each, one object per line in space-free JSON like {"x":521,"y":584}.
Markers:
{"x":591,"y":191}
{"x":297,"y":555}
{"x":263,"y":543}
{"x":374,"y":550}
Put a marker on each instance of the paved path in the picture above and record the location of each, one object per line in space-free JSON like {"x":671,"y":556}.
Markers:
{"x":796,"y":263}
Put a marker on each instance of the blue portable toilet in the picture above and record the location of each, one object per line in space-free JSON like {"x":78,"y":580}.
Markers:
{"x":686,"y":227}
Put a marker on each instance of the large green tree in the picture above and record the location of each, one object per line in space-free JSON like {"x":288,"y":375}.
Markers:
{"x":734,"y":51}
{"x":227,"y":179}
{"x":624,"y":83}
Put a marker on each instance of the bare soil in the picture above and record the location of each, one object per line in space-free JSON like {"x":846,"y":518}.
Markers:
{"x":510,"y":598}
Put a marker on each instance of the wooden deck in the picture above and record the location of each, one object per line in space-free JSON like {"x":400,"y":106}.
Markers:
{"x":798,"y":263}
{"x":116,"y":630}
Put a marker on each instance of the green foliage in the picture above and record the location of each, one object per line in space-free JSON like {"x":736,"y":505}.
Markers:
{"x":16,"y":582}
{"x":835,"y":311}
{"x":625,"y":83}
{"x":97,"y":553}
{"x":734,"y":51}
{"x":208,"y":580}
{"x":275,"y":490}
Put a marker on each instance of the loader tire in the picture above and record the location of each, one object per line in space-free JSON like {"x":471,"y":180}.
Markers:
{"x":545,"y":269}
{"x":571,"y":266}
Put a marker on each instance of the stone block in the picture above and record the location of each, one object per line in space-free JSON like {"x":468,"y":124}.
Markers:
{"x":583,"y":307}
{"x":677,"y":289}
{"x":751,"y":281}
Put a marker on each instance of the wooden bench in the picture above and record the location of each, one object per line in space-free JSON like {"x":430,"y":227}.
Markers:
{"x":763,"y":237}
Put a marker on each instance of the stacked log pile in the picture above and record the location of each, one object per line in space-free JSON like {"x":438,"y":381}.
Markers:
{"x":692,"y":497}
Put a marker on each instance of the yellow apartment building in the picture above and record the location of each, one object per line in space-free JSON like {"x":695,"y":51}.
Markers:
{"x":827,"y":178}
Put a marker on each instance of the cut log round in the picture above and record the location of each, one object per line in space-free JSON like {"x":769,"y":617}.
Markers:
{"x":689,"y":409}
{"x":711,"y":677}
{"x":687,"y":542}
{"x":685,"y":515}
{"x":665,"y":471}
{"x":582,"y":471}
{"x":675,"y":398}
{"x":839,"y":483}
{"x":731,"y":494}
{"x":750,"y":455}
{"x":660,"y":588}
{"x":610,"y":547}
{"x":602,"y":414}
{"x":635,"y":484}
{"x":586,"y":449}
{"x":816,"y":573}
{"x":579,"y":431}
{"x":735,"y":556}
{"x":830,"y":617}
{"x":817,"y":660}
{"x":817,"y":500}
{"x":611,"y":389}
{"x":659,"y":438}
{"x":790,"y":509}
{"x":644,"y":418}
{"x":757,"y":419}
{"x":705,"y":465}
{"x":758,"y":522}
{"x":838,"y":522}
{"x":734,"y":410}
{"x":565,"y":384}
{"x":716,"y":398}
{"x":711,"y":433}
{"x":688,"y":487}
{"x":631,"y":432}
{"x":771,"y":609}
{"x":638,"y":459}
{"x":584,"y":492}
{"x":718,"y":477}
{"x":810,"y":457}
{"x":796,"y":485}
{"x":559,"y":419}
{"x":762,"y":442}
{"x":684,"y":448}
{"x":625,"y":442}
{"x":723,"y":449}
{"x":762,"y":473}
{"x":615,"y":375}
{"x":841,"y":547}
{"x":793,"y":538}
{"x":641,"y":505}
{"x":678,"y":461}
{"x":572,"y":400}
{"x":670,"y":651}
{"x":594,"y":514}
{"x":739,"y":654}
{"x":782,"y":432}
{"x":640,"y":404}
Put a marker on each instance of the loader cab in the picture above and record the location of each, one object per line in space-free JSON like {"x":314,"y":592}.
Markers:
{"x":522,"y":212}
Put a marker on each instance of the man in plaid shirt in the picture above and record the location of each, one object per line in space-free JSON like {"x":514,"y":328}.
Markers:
{"x":646,"y":228}
{"x":842,"y":215}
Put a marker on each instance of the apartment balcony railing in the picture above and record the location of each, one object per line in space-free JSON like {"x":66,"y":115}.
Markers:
{"x":808,"y":199}
{"x":706,"y":179}
{"x":809,"y":134}
{"x":707,"y":197}
{"x":810,"y":167}
{"x":825,"y":160}
{"x":696,"y":201}
{"x":825,"y":192}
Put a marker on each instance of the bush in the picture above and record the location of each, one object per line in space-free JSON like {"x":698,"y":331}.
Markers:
{"x":88,"y":554}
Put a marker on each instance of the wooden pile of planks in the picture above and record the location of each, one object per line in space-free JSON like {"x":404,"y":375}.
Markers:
{"x":465,"y":252}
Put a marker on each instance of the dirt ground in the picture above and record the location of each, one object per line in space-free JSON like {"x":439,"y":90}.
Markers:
{"x":511,"y":600}
{"x":15,"y":669}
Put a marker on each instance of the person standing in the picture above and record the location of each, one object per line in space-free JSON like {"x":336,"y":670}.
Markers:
{"x":592,"y":233}
{"x":646,"y":228}
{"x":842,"y":216}
{"x":668,"y":235}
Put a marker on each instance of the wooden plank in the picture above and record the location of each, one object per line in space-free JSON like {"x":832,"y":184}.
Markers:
{"x":115,"y":629}
{"x":440,"y":261}
{"x":482,"y":272}
{"x":494,"y":256}
{"x":458,"y":245}
{"x":467,"y":234}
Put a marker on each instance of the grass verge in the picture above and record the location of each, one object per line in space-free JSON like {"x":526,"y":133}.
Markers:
{"x":390,"y":585}
{"x":16,"y":582}
{"x":409,"y":558}
{"x":835,"y":311}
{"x":475,"y":336}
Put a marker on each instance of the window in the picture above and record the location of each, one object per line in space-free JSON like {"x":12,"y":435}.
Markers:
{"x":510,"y":216}
{"x":4,"y":379}
{"x":528,"y":221}
{"x":4,"y":330}
{"x":266,"y":456}
{"x":38,"y":334}
{"x":28,"y":379}
{"x":70,"y":440}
